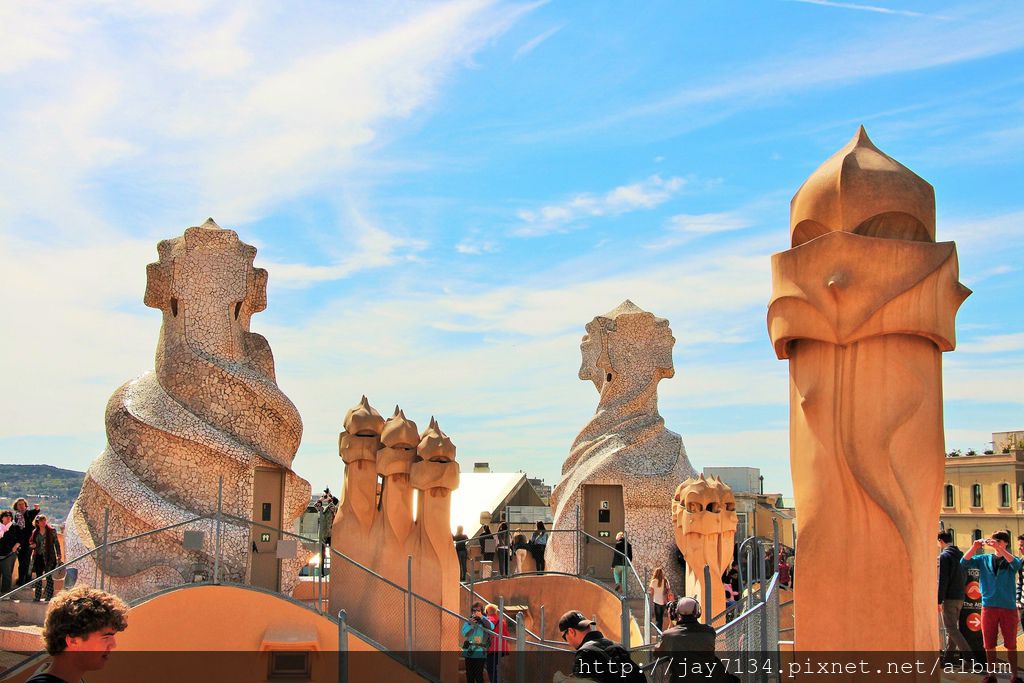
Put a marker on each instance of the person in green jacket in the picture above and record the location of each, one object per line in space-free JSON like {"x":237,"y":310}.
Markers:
{"x":475,"y":643}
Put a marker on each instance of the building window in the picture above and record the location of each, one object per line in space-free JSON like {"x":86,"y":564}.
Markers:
{"x":1004,"y":495}
{"x":976,"y":535}
{"x":741,"y":526}
{"x":949,"y":495}
{"x":976,"y":496}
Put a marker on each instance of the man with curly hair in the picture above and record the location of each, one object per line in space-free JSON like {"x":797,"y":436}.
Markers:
{"x":79,"y":633}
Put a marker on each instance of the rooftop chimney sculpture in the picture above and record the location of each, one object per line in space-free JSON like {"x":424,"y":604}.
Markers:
{"x":212,"y":411}
{"x":626,"y":352}
{"x":862,"y":306}
{"x":705,"y":522}
{"x":382,"y":537}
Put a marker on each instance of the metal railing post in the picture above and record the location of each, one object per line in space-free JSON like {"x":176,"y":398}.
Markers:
{"x":520,"y":649}
{"x":541,"y":631}
{"x":103,"y":559}
{"x":501,"y":620}
{"x":579,"y":551}
{"x":647,"y":606}
{"x":408,"y":609}
{"x":342,"y":647}
{"x":320,"y":577}
{"x":217,"y":537}
{"x":624,"y":620}
{"x":708,"y":608}
{"x":626,"y":564}
{"x":764,"y":638}
{"x":775,"y":545}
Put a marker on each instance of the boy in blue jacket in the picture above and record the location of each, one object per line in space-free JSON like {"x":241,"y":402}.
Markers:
{"x":998,"y":572}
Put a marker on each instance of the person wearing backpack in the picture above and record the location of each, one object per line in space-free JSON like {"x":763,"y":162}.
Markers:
{"x":597,"y":658}
{"x":690,"y":644}
{"x":538,"y":544}
{"x":951,"y":596}
{"x":475,"y":643}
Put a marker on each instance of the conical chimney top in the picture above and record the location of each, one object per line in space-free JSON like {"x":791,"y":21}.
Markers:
{"x":862,"y":190}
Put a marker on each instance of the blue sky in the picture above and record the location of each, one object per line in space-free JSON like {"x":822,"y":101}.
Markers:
{"x":446,"y":193}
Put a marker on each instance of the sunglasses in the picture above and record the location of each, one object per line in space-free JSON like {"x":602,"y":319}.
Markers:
{"x":564,"y":633}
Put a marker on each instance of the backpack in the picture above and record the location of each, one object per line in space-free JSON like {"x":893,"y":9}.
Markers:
{"x":619,"y":656}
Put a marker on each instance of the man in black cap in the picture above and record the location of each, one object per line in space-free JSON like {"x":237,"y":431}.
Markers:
{"x":597,"y":658}
{"x":689,"y":646}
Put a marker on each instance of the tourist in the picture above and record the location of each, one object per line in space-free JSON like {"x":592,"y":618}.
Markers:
{"x":488,"y":544}
{"x":326,"y":508}
{"x":538,"y":544}
{"x":597,"y":658}
{"x":503,"y":547}
{"x":661,"y":594}
{"x":623,"y":552}
{"x":79,"y":633}
{"x":520,"y":548}
{"x":462,"y":550}
{"x":689,"y":644}
{"x":1020,"y":580}
{"x":475,"y":636}
{"x":731,"y":598}
{"x":499,"y":643}
{"x":23,"y":522}
{"x":783,"y":570}
{"x":733,"y":578}
{"x":997,"y":573}
{"x":9,"y":545}
{"x":46,"y":555}
{"x":951,"y":594}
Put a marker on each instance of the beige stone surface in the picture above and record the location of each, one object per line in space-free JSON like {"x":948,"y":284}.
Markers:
{"x":863,"y":305}
{"x":626,"y":352}
{"x":704,"y":519}
{"x":212,"y":409}
{"x":382,"y":537}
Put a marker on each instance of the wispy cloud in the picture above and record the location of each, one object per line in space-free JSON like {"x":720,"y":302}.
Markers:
{"x":474,"y":247}
{"x":531,"y":45}
{"x":219,"y":104}
{"x":982,"y":233}
{"x":866,"y":8}
{"x":684,"y":227}
{"x":977,"y":33}
{"x":645,"y":194}
{"x":997,"y":343}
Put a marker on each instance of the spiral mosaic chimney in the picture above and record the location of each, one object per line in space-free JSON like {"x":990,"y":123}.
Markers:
{"x":210,"y":412}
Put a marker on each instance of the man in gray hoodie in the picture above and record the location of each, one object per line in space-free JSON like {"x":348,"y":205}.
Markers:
{"x":951,"y":594}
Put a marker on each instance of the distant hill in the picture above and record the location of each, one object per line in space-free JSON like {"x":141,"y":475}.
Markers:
{"x":55,"y":489}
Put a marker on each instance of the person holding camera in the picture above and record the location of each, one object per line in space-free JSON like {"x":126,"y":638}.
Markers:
{"x":476,"y":642}
{"x":997,"y":573}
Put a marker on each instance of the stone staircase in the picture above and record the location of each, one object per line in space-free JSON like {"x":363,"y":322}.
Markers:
{"x":22,"y":610}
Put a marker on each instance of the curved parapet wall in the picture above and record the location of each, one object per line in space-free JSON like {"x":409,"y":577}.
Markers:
{"x":211,"y":411}
{"x":626,"y":352}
